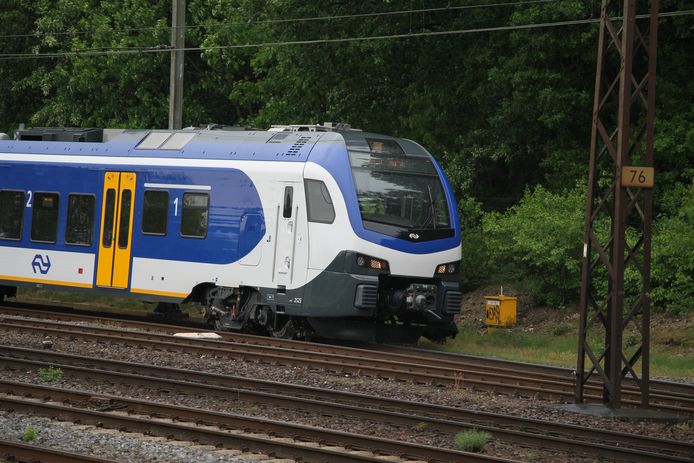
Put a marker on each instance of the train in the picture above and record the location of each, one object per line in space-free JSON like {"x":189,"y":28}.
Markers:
{"x":301,"y":231}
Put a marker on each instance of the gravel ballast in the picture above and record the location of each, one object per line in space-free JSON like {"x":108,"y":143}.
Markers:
{"x":449,"y":396}
{"x":113,"y":445}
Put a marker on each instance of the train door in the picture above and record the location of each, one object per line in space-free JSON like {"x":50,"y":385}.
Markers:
{"x":285,"y":234}
{"x":113,"y":268}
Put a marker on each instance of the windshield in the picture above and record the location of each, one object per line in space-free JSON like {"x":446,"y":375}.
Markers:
{"x":398,"y":193}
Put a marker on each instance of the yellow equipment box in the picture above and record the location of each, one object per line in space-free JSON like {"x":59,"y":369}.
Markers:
{"x":501,"y":310}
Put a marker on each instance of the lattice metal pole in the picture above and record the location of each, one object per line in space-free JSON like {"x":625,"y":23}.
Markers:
{"x":617,"y":239}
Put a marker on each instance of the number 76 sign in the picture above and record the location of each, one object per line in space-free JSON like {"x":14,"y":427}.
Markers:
{"x":640,"y":177}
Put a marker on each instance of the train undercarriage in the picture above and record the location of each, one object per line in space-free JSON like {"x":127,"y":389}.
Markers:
{"x":402,"y":313}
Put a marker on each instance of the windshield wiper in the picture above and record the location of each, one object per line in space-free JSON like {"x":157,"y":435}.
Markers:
{"x":432,"y":211}
{"x":432,"y":207}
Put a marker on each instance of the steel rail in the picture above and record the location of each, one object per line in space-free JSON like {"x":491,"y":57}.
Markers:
{"x":392,"y":353}
{"x":495,"y":382}
{"x":215,"y":428}
{"x":282,"y":356}
{"x":555,"y":435}
{"x":105,"y":402}
{"x":455,"y":360}
{"x":34,"y":454}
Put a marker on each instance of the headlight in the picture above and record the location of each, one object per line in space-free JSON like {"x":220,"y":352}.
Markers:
{"x":371,"y":262}
{"x":447,"y":269}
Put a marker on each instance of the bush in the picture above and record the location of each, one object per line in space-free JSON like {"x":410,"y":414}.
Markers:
{"x":672,"y":272}
{"x":474,"y":269}
{"x":30,"y":434}
{"x":560,"y":329}
{"x":537,"y":243}
{"x":472,"y":440}
{"x":50,"y":374}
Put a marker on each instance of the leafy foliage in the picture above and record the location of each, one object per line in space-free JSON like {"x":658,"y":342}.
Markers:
{"x":475,"y":268}
{"x":673,"y":261}
{"x":538,"y":243}
{"x":30,"y":433}
{"x":17,"y":18}
{"x":503,"y":111}
{"x":50,"y":374}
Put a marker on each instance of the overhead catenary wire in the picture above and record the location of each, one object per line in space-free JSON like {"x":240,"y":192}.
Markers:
{"x":286,"y":20}
{"x":167,"y":49}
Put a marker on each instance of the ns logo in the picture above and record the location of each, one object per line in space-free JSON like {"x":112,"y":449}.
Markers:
{"x":41,"y":265}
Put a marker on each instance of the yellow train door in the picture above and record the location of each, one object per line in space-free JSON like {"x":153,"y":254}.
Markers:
{"x":113,"y":267}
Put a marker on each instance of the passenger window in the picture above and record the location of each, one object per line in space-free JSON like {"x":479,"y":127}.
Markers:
{"x":109,"y":213}
{"x":194,"y":216}
{"x":124,"y":222}
{"x":44,"y":217}
{"x":80,"y":219}
{"x":318,"y":202}
{"x":288,"y":196}
{"x":155,"y":212}
{"x":11,"y":214}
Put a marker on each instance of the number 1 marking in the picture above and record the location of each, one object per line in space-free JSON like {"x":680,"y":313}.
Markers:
{"x":176,"y":207}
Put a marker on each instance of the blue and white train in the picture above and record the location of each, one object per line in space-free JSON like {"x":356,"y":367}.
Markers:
{"x":301,"y":231}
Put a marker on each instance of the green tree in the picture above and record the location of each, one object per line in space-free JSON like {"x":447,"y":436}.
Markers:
{"x":16,"y":105}
{"x":537,"y":243}
{"x":112,"y":90}
{"x":673,"y":261}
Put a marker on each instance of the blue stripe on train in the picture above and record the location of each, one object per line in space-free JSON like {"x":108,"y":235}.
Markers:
{"x":226,"y":240}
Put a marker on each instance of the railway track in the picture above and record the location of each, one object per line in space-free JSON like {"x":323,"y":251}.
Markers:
{"x":21,"y":453}
{"x":392,"y":362}
{"x":521,"y":431}
{"x":274,"y":438}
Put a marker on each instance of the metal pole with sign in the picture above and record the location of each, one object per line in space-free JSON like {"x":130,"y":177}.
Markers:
{"x":614,"y":332}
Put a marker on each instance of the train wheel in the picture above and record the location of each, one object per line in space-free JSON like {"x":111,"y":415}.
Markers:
{"x":287,"y":331}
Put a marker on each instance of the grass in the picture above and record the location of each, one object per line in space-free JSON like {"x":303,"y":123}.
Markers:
{"x":30,"y":434}
{"x":80,"y":300}
{"x":472,"y":440}
{"x":558,"y":345}
{"x":50,"y":374}
{"x":86,"y":301}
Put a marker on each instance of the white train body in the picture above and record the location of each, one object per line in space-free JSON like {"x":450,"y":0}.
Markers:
{"x":299,"y":231}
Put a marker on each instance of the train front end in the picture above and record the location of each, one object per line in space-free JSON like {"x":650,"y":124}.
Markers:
{"x":403,"y":264}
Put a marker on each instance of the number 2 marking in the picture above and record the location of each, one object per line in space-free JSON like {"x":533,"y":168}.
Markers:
{"x":29,"y":196}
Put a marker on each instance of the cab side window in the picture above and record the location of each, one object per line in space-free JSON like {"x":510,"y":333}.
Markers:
{"x":318,"y":202}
